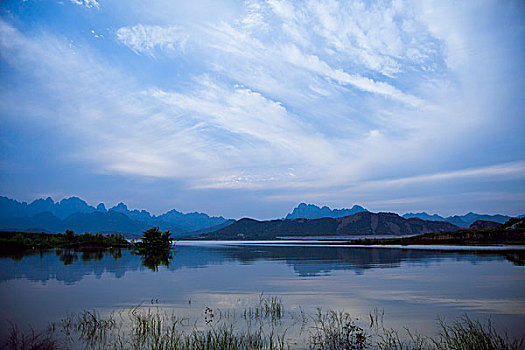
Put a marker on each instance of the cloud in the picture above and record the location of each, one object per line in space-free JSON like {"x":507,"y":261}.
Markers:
{"x":496,"y":171}
{"x":261,"y":140}
{"x":86,"y":3}
{"x":208,"y":135}
{"x":250,"y":41}
{"x":145,"y":39}
{"x":313,"y":63}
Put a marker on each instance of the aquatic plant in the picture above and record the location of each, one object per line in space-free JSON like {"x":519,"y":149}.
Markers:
{"x":268,"y":307}
{"x":258,"y":327}
{"x":31,"y":340}
{"x":336,"y":331}
{"x":467,"y":334}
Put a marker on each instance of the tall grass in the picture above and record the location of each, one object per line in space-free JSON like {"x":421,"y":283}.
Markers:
{"x":462,"y":334}
{"x":32,"y":340}
{"x":268,"y":308}
{"x":467,"y":334}
{"x":147,"y":328}
{"x":258,"y":327}
{"x":336,"y":331}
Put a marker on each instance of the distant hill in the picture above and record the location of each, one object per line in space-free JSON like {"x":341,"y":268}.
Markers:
{"x":189,"y":221}
{"x":110,"y":221}
{"x":424,"y":216}
{"x":459,"y":220}
{"x":311,"y":211}
{"x":10,"y":208}
{"x":363,"y":223}
{"x":46,"y":215}
{"x":41,"y":222}
{"x":484,"y":225}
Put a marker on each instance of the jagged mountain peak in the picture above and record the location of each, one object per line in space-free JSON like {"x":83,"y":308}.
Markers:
{"x":312,"y":211}
{"x":120,"y":207}
{"x":101,"y":207}
{"x":75,"y":213}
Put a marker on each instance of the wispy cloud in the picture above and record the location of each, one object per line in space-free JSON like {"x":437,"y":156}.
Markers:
{"x":86,"y":3}
{"x":313,"y":63}
{"x":145,"y":39}
{"x":500,"y":171}
{"x":210,"y":134}
{"x":250,"y":42}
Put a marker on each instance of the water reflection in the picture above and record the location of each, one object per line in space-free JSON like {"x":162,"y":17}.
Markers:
{"x":152,"y":260}
{"x":316,"y":261}
{"x":71,"y":266}
{"x":69,"y":256}
{"x":412,"y":286}
{"x":66,"y":265}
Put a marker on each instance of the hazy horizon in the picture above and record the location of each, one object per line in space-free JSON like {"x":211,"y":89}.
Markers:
{"x":248,"y":108}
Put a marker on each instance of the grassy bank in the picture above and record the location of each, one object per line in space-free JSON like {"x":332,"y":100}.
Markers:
{"x":260,"y":326}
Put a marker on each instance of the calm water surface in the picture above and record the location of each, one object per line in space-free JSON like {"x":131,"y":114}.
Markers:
{"x":413,"y":287}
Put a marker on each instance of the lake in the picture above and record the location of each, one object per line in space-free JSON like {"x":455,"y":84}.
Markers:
{"x":412,"y":287}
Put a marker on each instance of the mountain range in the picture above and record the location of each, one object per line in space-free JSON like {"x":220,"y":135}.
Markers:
{"x":310,"y":211}
{"x":46,"y":215}
{"x":362,"y":223}
{"x":459,"y":220}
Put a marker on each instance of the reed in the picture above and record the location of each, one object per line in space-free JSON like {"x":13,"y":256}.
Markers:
{"x":467,"y":334}
{"x":336,"y":331}
{"x":259,"y":327}
{"x":268,"y":308}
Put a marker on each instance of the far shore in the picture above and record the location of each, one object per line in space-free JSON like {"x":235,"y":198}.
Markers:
{"x":488,"y":239}
{"x":491,"y":238}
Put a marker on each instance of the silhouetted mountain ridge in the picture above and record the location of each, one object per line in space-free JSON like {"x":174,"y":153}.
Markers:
{"x":363,"y":223}
{"x":312,"y":211}
{"x":46,"y":215}
{"x":459,"y":220}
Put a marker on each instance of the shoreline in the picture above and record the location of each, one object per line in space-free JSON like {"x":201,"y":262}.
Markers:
{"x":335,"y":244}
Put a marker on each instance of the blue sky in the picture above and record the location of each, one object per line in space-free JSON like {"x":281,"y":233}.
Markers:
{"x":246,"y":108}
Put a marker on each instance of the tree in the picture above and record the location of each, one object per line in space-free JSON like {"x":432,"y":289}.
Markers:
{"x":155,"y":240}
{"x":70,"y":234}
{"x":155,"y":248}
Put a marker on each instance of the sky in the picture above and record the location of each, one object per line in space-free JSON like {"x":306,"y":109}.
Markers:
{"x":247,"y":108}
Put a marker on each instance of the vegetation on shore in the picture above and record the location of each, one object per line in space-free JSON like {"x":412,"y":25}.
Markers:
{"x":153,"y":241}
{"x":261,"y":326}
{"x":513,"y":236}
{"x":154,"y":248}
{"x":20,"y":241}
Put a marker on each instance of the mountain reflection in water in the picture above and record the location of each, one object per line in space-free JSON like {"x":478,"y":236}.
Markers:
{"x":71,"y":266}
